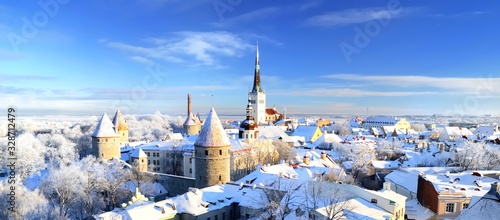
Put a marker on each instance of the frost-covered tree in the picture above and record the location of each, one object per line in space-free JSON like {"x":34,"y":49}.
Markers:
{"x":319,"y":194}
{"x":59,"y":150}
{"x":469,"y":154}
{"x":29,"y":153}
{"x":90,"y":201}
{"x":110,"y":181}
{"x":342,"y":128}
{"x":418,"y":127}
{"x":63,"y":188}
{"x":360,"y":155}
{"x":285,"y":152}
{"x":30,"y":204}
{"x":280,"y":198}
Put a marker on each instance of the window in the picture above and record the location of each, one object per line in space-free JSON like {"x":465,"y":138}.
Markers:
{"x":374,"y":201}
{"x":224,"y":216}
{"x":190,"y":160}
{"x":216,"y":217}
{"x":220,"y":152}
{"x":450,"y":207}
{"x":465,"y":205}
{"x":206,"y":152}
{"x":190,"y":170}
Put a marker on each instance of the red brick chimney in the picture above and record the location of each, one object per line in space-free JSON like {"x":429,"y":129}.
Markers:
{"x":189,"y":104}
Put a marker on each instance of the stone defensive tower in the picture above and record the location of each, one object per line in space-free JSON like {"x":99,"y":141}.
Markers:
{"x":105,"y":141}
{"x":212,"y":153}
{"x":121,"y":127}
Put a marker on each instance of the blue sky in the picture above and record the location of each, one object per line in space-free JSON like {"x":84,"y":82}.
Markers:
{"x":67,"y":57}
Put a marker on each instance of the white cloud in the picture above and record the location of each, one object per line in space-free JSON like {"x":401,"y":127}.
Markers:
{"x":141,"y":59}
{"x":480,"y":86}
{"x":346,"y":92}
{"x":187,"y":46}
{"x":352,"y":16}
{"x":309,"y":5}
{"x":259,"y":14}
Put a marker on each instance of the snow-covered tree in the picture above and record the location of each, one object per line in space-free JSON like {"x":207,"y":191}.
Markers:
{"x":321,"y":194}
{"x":280,"y":198}
{"x":29,"y":153}
{"x":110,"y":181}
{"x":285,"y":152}
{"x":30,"y":204}
{"x":418,"y":127}
{"x":63,"y":188}
{"x":59,"y":150}
{"x":469,"y":155}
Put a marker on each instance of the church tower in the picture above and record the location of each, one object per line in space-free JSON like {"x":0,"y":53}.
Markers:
{"x":105,"y":141}
{"x":212,"y":153}
{"x":121,"y":127}
{"x":248,"y":129}
{"x":257,"y":94}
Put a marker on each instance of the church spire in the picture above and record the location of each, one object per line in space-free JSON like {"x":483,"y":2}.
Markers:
{"x":256,"y":79}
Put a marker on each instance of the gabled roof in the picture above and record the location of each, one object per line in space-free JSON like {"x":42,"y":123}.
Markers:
{"x":138,"y":153}
{"x":305,"y":131}
{"x":119,"y":122}
{"x":212,"y":133}
{"x":104,"y":128}
{"x":271,"y":111}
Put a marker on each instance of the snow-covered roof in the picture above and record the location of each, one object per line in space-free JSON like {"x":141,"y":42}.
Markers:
{"x":140,"y":209}
{"x":383,"y":164}
{"x":200,"y":201}
{"x":388,"y":119}
{"x":274,"y":132}
{"x":466,"y":183}
{"x":212,"y":133}
{"x":138,"y":153}
{"x":305,"y":131}
{"x":119,"y":121}
{"x":104,"y":128}
{"x":328,"y":138}
{"x":482,"y":209}
{"x":190,"y":120}
{"x":403,"y":178}
{"x":459,"y":132}
{"x":414,"y":210}
{"x":357,"y":208}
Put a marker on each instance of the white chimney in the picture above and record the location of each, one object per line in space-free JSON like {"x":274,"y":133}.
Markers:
{"x":387,"y":186}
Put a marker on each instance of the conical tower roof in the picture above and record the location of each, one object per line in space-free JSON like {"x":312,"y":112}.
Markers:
{"x":119,"y":122}
{"x":212,"y":133}
{"x":190,"y":120}
{"x":104,"y":128}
